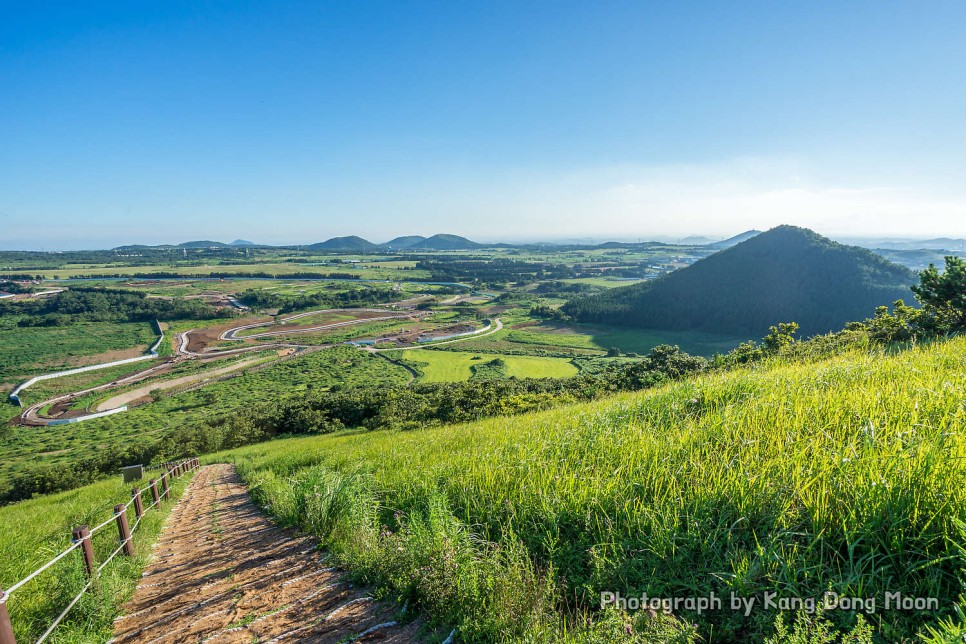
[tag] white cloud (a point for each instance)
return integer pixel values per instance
(718, 199)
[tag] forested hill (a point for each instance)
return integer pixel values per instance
(786, 274)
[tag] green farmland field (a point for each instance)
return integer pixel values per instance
(452, 366)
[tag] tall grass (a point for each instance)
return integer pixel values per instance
(846, 475)
(33, 532)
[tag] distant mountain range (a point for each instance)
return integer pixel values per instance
(356, 244)
(899, 250)
(734, 241)
(939, 243)
(786, 274)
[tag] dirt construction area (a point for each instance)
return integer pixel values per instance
(222, 572)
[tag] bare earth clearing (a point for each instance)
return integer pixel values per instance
(222, 572)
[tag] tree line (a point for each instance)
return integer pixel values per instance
(92, 304)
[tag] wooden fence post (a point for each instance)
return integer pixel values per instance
(154, 492)
(83, 534)
(120, 511)
(164, 486)
(138, 503)
(6, 628)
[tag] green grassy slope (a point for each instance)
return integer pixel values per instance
(34, 531)
(845, 475)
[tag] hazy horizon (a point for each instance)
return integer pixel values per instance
(859, 240)
(279, 122)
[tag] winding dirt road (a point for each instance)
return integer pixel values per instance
(222, 572)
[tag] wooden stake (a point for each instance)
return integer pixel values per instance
(6, 628)
(83, 534)
(155, 497)
(123, 531)
(138, 503)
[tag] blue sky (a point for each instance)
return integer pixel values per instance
(291, 122)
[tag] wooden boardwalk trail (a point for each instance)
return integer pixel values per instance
(222, 572)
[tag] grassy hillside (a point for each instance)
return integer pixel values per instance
(845, 475)
(34, 531)
(787, 274)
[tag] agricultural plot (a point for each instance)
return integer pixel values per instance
(29, 351)
(524, 335)
(641, 341)
(319, 319)
(455, 366)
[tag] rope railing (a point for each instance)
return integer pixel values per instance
(81, 539)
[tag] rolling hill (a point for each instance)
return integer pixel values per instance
(204, 243)
(786, 274)
(352, 244)
(737, 239)
(404, 242)
(445, 242)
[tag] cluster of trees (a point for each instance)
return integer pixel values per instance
(493, 271)
(786, 273)
(106, 305)
(567, 289)
(13, 287)
(942, 312)
(259, 299)
(129, 255)
(302, 275)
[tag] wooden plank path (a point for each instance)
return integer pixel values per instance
(222, 572)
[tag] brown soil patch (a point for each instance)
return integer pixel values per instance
(201, 338)
(222, 572)
(323, 320)
(107, 356)
(143, 400)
